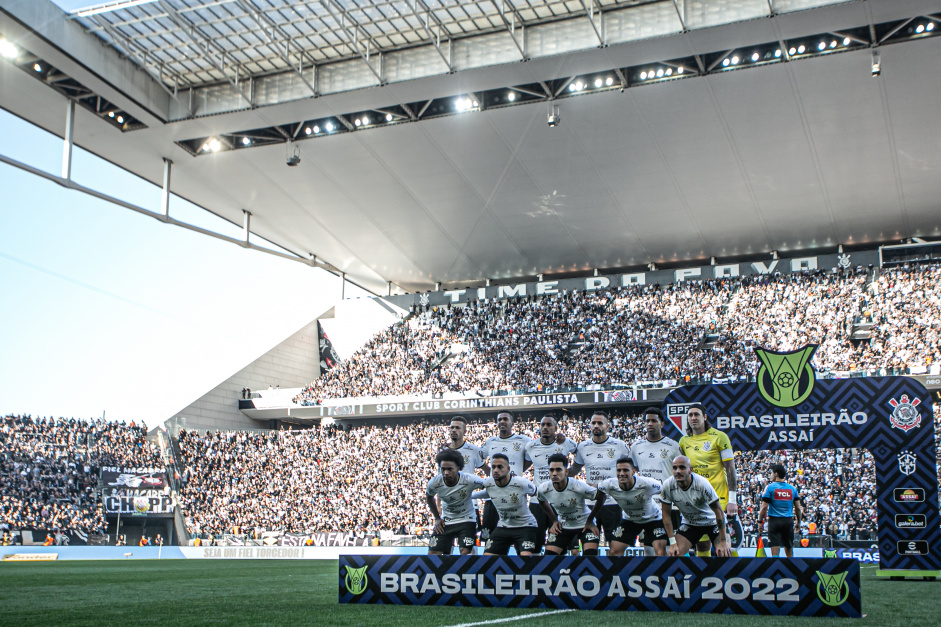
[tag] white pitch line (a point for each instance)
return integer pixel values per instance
(512, 618)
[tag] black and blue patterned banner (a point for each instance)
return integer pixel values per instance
(794, 587)
(890, 416)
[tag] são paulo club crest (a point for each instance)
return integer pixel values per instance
(905, 416)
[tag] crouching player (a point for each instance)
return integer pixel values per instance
(641, 512)
(457, 519)
(510, 494)
(699, 505)
(568, 497)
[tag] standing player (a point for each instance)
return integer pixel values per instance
(710, 453)
(653, 458)
(699, 504)
(472, 454)
(598, 456)
(781, 503)
(538, 453)
(457, 519)
(637, 497)
(513, 447)
(510, 494)
(567, 496)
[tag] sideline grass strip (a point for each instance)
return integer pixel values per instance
(197, 592)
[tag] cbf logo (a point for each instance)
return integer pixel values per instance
(832, 589)
(356, 580)
(908, 462)
(786, 379)
(904, 415)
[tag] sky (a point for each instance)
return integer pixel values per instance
(109, 312)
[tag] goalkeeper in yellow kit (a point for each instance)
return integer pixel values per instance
(710, 453)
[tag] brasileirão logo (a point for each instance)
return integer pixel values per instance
(832, 589)
(356, 580)
(786, 379)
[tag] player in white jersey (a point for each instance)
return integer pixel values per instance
(699, 504)
(513, 446)
(653, 455)
(640, 509)
(474, 456)
(510, 496)
(568, 497)
(598, 456)
(538, 452)
(457, 519)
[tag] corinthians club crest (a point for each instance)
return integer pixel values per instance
(786, 379)
(904, 415)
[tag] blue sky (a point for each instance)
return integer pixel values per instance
(107, 310)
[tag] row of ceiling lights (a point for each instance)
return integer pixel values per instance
(653, 73)
(42, 70)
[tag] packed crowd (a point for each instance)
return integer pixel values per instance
(49, 469)
(370, 479)
(639, 335)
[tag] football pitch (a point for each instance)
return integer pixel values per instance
(197, 592)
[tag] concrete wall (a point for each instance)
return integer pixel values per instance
(293, 363)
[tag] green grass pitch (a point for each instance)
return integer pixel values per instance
(196, 592)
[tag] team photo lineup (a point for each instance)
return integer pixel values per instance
(672, 496)
(468, 312)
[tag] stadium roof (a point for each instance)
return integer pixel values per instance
(456, 176)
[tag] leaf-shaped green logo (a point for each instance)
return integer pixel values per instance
(786, 379)
(356, 579)
(832, 589)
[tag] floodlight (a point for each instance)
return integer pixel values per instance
(8, 49)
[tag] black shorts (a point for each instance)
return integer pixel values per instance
(542, 524)
(781, 531)
(628, 531)
(491, 517)
(609, 519)
(694, 533)
(676, 519)
(520, 538)
(465, 533)
(569, 539)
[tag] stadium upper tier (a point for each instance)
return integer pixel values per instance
(650, 335)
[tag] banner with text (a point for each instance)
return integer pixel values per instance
(523, 402)
(135, 491)
(794, 587)
(829, 262)
(789, 408)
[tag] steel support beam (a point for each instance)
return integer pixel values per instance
(165, 194)
(590, 14)
(679, 13)
(246, 226)
(343, 286)
(68, 184)
(435, 38)
(511, 25)
(353, 40)
(140, 55)
(266, 24)
(210, 49)
(68, 140)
